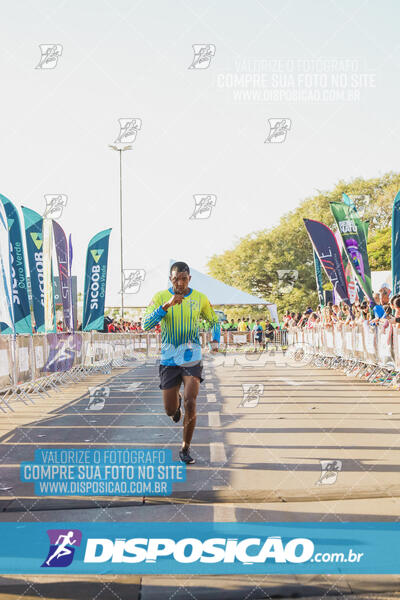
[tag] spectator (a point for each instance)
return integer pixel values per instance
(258, 333)
(225, 325)
(286, 320)
(107, 321)
(387, 319)
(356, 317)
(231, 325)
(384, 293)
(241, 325)
(111, 326)
(343, 312)
(269, 333)
(377, 309)
(365, 311)
(335, 313)
(396, 305)
(391, 303)
(313, 320)
(293, 320)
(326, 316)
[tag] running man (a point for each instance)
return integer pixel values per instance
(62, 549)
(180, 310)
(258, 333)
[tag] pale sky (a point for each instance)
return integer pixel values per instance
(199, 135)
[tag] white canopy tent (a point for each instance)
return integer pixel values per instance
(219, 293)
(379, 277)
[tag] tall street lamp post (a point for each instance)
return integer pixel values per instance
(121, 150)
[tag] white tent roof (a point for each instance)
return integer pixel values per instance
(218, 292)
(379, 277)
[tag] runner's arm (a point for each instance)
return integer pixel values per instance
(153, 313)
(209, 314)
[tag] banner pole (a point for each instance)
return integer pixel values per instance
(121, 237)
(13, 348)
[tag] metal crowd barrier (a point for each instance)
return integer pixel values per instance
(280, 337)
(31, 365)
(363, 350)
(238, 339)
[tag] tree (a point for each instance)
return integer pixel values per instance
(256, 263)
(380, 249)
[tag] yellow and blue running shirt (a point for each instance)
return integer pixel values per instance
(180, 341)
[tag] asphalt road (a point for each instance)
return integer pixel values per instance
(273, 442)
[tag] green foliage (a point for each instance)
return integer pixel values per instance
(245, 312)
(253, 264)
(380, 249)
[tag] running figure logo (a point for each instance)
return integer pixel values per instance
(55, 203)
(330, 470)
(203, 54)
(251, 394)
(50, 53)
(97, 397)
(203, 205)
(64, 348)
(61, 551)
(128, 129)
(278, 129)
(287, 279)
(132, 280)
(360, 203)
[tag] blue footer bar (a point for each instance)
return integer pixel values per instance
(200, 548)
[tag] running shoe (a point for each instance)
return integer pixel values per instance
(177, 416)
(185, 457)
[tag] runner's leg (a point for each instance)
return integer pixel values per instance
(191, 390)
(171, 400)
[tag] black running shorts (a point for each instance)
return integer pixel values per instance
(170, 376)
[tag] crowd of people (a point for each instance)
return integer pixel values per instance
(383, 310)
(119, 326)
(260, 328)
(242, 325)
(123, 326)
(239, 325)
